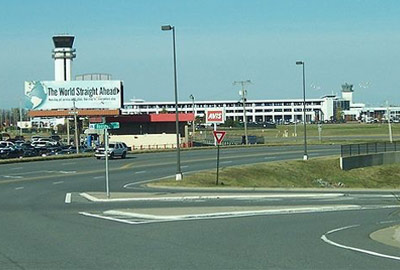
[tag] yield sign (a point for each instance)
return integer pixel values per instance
(219, 136)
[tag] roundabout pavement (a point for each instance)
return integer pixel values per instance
(47, 222)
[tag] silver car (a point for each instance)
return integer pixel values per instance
(115, 149)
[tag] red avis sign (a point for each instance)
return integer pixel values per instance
(215, 116)
(219, 136)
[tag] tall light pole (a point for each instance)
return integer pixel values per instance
(243, 94)
(305, 157)
(179, 175)
(194, 117)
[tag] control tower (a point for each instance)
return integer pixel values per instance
(63, 53)
(347, 92)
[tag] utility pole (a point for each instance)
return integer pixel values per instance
(243, 94)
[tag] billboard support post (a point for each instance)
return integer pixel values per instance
(68, 140)
(76, 128)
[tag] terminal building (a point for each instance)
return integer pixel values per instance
(329, 108)
(261, 110)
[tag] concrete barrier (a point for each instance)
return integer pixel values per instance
(348, 163)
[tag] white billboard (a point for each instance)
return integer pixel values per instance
(52, 95)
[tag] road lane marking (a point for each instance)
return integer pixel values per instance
(268, 158)
(67, 172)
(139, 172)
(110, 218)
(19, 188)
(16, 168)
(99, 177)
(68, 198)
(226, 162)
(13, 176)
(185, 166)
(387, 222)
(58, 182)
(365, 251)
(68, 163)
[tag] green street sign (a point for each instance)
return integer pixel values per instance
(112, 125)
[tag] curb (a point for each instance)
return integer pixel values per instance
(211, 197)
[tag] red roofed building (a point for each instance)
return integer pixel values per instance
(147, 123)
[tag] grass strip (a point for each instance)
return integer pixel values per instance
(314, 173)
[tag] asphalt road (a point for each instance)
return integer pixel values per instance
(40, 231)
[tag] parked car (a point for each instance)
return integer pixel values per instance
(46, 149)
(50, 141)
(28, 150)
(45, 142)
(7, 143)
(19, 142)
(4, 149)
(10, 151)
(55, 138)
(70, 149)
(20, 137)
(36, 137)
(115, 149)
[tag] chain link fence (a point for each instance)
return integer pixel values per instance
(349, 150)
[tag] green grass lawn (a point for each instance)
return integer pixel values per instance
(314, 173)
(347, 129)
(331, 134)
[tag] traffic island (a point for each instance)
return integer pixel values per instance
(137, 216)
(173, 196)
(388, 236)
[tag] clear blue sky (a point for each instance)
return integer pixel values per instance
(218, 42)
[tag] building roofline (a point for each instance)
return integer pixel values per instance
(142, 102)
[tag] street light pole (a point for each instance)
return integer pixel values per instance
(194, 117)
(305, 157)
(244, 93)
(179, 175)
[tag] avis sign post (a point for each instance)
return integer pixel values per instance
(215, 116)
(219, 136)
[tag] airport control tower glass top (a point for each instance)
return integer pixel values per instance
(63, 41)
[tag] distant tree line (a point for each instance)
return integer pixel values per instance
(10, 117)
